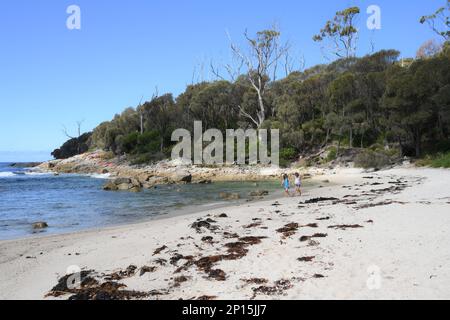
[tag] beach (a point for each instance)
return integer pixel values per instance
(358, 235)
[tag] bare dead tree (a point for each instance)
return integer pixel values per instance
(293, 63)
(260, 65)
(66, 133)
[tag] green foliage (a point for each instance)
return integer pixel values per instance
(288, 153)
(332, 154)
(439, 21)
(440, 160)
(341, 32)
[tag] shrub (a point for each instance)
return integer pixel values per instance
(441, 161)
(286, 156)
(332, 154)
(371, 159)
(146, 158)
(288, 153)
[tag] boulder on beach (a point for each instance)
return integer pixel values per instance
(40, 225)
(135, 189)
(124, 186)
(205, 181)
(259, 193)
(144, 177)
(229, 196)
(110, 186)
(182, 177)
(119, 181)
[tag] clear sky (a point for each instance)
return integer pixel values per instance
(51, 76)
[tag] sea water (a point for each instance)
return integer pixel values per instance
(75, 202)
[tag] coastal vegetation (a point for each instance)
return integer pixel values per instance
(381, 105)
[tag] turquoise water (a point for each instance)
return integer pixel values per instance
(73, 202)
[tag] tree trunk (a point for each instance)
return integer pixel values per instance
(339, 147)
(362, 140)
(351, 137)
(417, 142)
(418, 151)
(261, 112)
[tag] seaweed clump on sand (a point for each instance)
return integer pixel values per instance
(235, 250)
(316, 235)
(278, 288)
(346, 226)
(306, 259)
(91, 289)
(288, 230)
(119, 275)
(199, 225)
(318, 200)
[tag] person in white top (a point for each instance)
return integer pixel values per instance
(298, 184)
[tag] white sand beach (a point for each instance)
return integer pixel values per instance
(385, 235)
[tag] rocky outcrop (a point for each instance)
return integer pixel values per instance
(181, 177)
(136, 178)
(123, 184)
(25, 164)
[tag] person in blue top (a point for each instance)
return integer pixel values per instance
(286, 184)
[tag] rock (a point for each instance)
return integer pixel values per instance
(206, 181)
(182, 176)
(40, 225)
(135, 182)
(124, 186)
(144, 177)
(25, 164)
(259, 193)
(120, 181)
(110, 186)
(135, 189)
(229, 196)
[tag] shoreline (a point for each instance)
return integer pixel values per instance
(374, 220)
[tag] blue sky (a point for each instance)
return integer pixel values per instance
(51, 76)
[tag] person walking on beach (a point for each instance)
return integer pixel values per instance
(298, 184)
(286, 184)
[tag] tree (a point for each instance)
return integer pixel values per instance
(341, 33)
(342, 92)
(261, 65)
(158, 115)
(439, 21)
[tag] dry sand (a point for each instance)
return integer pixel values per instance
(390, 239)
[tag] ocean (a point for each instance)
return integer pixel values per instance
(71, 202)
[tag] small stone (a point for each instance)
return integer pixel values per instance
(40, 225)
